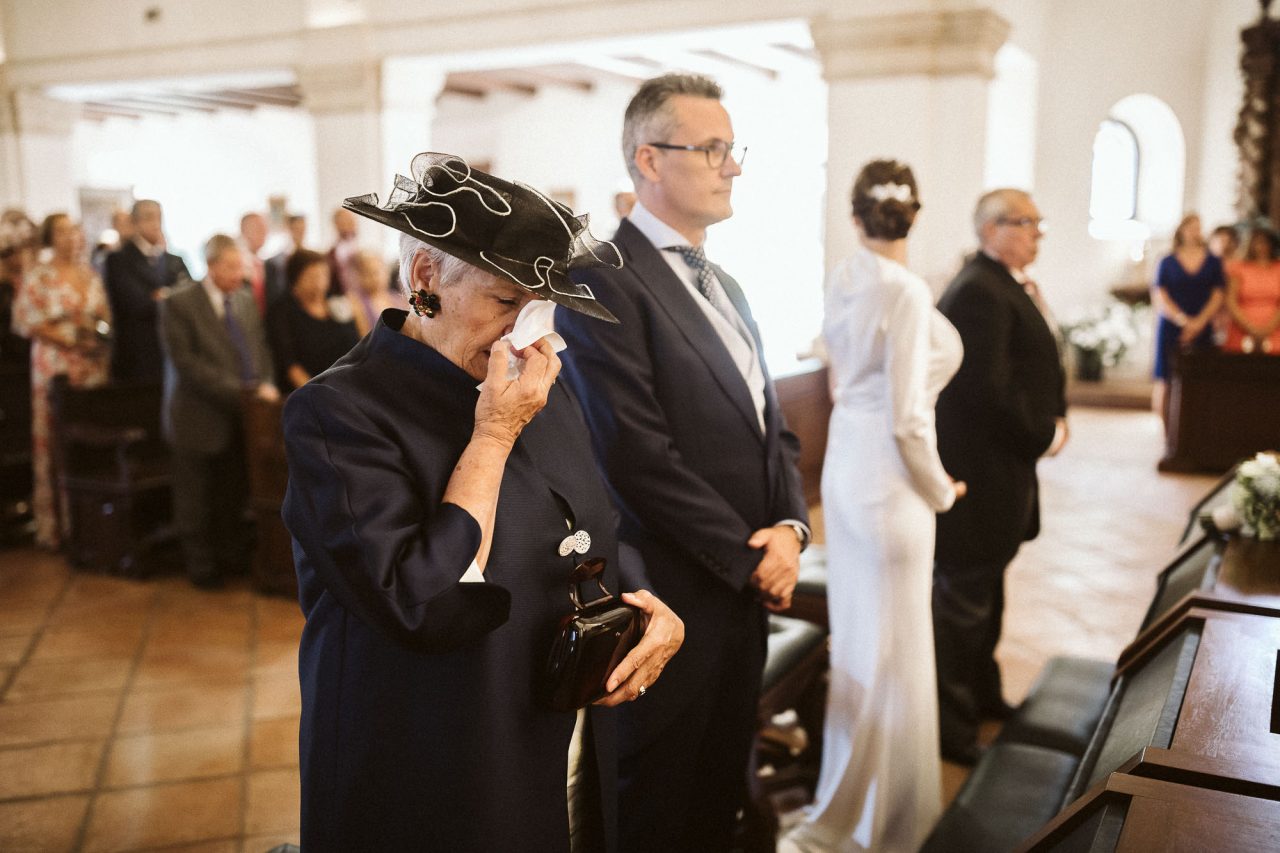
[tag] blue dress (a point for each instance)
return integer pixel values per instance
(1190, 293)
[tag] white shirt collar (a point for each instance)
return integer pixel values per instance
(657, 232)
(1020, 276)
(151, 250)
(215, 295)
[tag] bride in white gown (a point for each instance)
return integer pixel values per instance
(890, 354)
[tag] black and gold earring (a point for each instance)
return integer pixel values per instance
(425, 304)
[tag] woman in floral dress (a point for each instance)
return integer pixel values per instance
(63, 309)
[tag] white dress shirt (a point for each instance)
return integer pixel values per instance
(732, 331)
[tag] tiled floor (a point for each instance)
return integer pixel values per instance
(152, 716)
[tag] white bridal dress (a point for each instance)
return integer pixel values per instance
(891, 353)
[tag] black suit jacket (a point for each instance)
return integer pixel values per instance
(997, 416)
(131, 280)
(676, 433)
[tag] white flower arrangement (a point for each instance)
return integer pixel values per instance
(1109, 331)
(1255, 500)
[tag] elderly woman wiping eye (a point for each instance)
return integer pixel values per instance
(428, 514)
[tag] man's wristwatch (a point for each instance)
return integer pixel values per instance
(802, 533)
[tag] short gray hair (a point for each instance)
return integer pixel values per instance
(217, 245)
(995, 204)
(448, 268)
(649, 117)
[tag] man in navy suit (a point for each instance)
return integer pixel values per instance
(138, 276)
(1004, 410)
(686, 427)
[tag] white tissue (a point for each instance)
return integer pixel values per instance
(536, 320)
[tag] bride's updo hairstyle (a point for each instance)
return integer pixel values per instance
(885, 199)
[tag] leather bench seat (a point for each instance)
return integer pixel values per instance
(791, 643)
(1064, 707)
(1015, 789)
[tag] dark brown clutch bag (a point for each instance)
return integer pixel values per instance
(589, 643)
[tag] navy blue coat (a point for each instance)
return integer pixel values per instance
(420, 726)
(693, 475)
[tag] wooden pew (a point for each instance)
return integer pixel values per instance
(1222, 408)
(113, 464)
(273, 571)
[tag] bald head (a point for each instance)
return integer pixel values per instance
(253, 230)
(344, 222)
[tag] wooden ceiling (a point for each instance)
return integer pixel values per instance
(582, 75)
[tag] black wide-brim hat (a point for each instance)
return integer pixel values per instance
(505, 228)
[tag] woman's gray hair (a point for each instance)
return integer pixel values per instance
(649, 117)
(448, 268)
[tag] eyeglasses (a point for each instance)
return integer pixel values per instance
(717, 152)
(1022, 222)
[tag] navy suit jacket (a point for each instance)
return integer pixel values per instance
(997, 416)
(676, 434)
(131, 279)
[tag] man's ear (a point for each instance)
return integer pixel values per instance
(647, 163)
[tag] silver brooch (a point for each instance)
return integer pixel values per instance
(578, 543)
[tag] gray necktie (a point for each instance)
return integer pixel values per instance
(708, 285)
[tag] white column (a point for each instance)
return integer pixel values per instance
(35, 153)
(911, 87)
(345, 101)
(410, 86)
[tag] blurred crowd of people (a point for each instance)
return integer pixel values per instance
(112, 313)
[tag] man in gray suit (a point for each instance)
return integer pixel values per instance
(214, 349)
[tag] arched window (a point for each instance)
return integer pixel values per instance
(1114, 196)
(1139, 168)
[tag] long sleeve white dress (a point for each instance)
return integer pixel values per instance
(891, 353)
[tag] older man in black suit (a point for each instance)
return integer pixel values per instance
(1004, 410)
(686, 426)
(214, 349)
(138, 276)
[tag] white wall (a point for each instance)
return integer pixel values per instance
(205, 170)
(562, 139)
(1099, 52)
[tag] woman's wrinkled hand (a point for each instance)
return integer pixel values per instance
(507, 405)
(663, 635)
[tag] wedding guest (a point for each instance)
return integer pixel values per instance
(63, 310)
(371, 296)
(890, 353)
(1253, 297)
(1187, 295)
(345, 244)
(1004, 410)
(138, 277)
(1224, 242)
(18, 238)
(277, 281)
(305, 334)
(253, 236)
(430, 496)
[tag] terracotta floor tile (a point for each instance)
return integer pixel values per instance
(274, 743)
(279, 621)
(60, 678)
(226, 634)
(68, 718)
(23, 621)
(113, 641)
(60, 768)
(41, 826)
(274, 798)
(175, 756)
(276, 659)
(277, 696)
(263, 843)
(229, 845)
(13, 648)
(171, 666)
(185, 707)
(181, 813)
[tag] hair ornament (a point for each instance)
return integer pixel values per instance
(889, 190)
